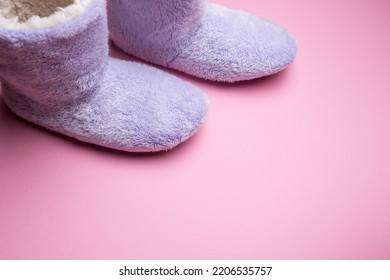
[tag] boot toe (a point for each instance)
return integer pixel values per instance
(147, 110)
(230, 45)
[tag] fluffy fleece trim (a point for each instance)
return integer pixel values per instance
(61, 15)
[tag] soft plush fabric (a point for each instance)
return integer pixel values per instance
(200, 38)
(62, 78)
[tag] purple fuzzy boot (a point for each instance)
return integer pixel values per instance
(200, 38)
(55, 72)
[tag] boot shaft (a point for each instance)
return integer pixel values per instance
(163, 24)
(57, 64)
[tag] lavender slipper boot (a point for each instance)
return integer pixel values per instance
(55, 72)
(200, 38)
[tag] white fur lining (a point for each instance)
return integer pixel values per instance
(61, 15)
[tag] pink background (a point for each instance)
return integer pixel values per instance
(294, 166)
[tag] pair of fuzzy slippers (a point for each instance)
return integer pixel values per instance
(55, 70)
